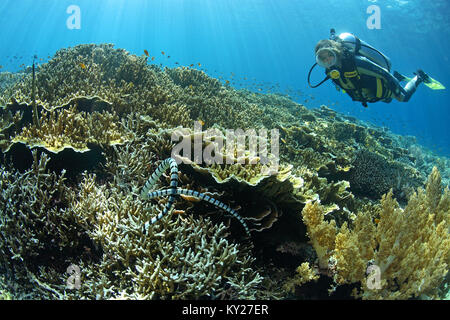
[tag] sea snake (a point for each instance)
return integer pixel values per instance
(174, 190)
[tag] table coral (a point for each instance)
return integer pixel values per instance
(67, 128)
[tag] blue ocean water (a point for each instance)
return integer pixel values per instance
(266, 45)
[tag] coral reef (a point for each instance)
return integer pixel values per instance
(71, 183)
(304, 275)
(67, 128)
(409, 247)
(179, 258)
(36, 229)
(101, 230)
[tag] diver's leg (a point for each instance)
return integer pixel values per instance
(403, 94)
(398, 92)
(411, 87)
(398, 76)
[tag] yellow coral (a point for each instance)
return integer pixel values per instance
(353, 249)
(410, 247)
(304, 274)
(322, 233)
(67, 128)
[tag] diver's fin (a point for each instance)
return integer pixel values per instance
(427, 80)
(434, 84)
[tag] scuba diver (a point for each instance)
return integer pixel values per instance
(363, 72)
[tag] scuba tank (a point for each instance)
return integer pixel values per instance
(359, 47)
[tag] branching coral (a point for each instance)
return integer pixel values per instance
(322, 233)
(124, 107)
(36, 230)
(410, 246)
(179, 258)
(44, 225)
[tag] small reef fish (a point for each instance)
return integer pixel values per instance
(162, 52)
(199, 64)
(191, 65)
(146, 52)
(82, 65)
(153, 58)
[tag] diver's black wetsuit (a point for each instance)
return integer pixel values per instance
(371, 82)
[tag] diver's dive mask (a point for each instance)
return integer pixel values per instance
(326, 58)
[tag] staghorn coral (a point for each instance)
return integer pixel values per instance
(410, 246)
(63, 79)
(179, 258)
(125, 82)
(183, 258)
(196, 80)
(7, 79)
(37, 231)
(8, 123)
